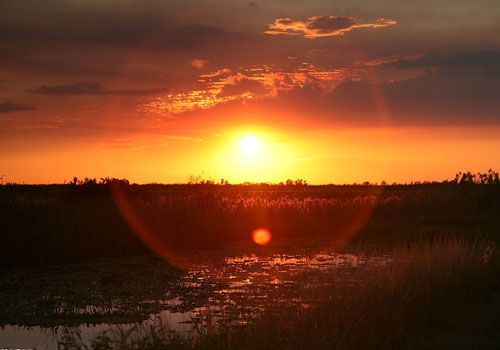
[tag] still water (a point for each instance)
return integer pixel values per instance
(137, 294)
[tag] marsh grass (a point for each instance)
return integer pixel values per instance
(59, 224)
(377, 309)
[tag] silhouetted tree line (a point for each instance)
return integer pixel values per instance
(192, 180)
(93, 181)
(489, 178)
(298, 182)
(467, 177)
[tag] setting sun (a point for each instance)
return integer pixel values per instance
(250, 146)
(253, 153)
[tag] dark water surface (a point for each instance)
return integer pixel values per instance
(39, 305)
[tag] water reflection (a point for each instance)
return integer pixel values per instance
(236, 285)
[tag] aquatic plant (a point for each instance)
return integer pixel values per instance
(378, 309)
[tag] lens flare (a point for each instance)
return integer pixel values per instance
(261, 236)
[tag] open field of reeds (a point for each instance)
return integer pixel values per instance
(72, 223)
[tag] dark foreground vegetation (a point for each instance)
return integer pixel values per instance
(83, 222)
(438, 288)
(440, 294)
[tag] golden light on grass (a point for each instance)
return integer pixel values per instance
(261, 236)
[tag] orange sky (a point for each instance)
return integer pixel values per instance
(333, 93)
(319, 155)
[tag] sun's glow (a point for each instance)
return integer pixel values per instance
(253, 154)
(250, 146)
(261, 236)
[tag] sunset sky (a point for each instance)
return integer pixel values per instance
(328, 91)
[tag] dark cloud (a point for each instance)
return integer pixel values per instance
(193, 36)
(56, 66)
(8, 106)
(322, 26)
(63, 21)
(330, 24)
(93, 88)
(471, 58)
(449, 88)
(435, 98)
(243, 86)
(135, 30)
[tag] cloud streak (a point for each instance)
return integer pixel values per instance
(454, 59)
(225, 86)
(8, 106)
(322, 26)
(93, 88)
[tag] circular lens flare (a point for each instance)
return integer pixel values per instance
(261, 236)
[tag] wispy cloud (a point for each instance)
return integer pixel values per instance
(323, 26)
(225, 86)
